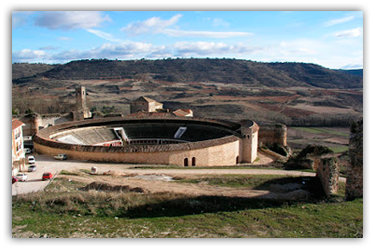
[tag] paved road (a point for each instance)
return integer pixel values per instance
(46, 163)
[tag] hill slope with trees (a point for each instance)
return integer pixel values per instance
(193, 70)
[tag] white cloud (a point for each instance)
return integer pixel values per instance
(303, 50)
(188, 49)
(212, 34)
(126, 50)
(338, 21)
(156, 25)
(28, 55)
(357, 32)
(134, 50)
(70, 19)
(153, 25)
(103, 35)
(328, 53)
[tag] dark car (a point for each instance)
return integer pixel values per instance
(14, 180)
(46, 176)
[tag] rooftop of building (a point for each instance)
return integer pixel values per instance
(16, 123)
(144, 99)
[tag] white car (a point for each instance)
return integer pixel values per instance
(32, 168)
(31, 159)
(22, 177)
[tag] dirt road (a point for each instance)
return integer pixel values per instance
(48, 164)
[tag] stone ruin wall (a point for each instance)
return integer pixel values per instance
(328, 172)
(328, 168)
(32, 123)
(271, 134)
(354, 179)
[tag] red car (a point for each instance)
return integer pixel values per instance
(46, 176)
(14, 179)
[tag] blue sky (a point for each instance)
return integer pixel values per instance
(333, 39)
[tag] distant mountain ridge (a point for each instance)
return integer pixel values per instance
(357, 72)
(195, 70)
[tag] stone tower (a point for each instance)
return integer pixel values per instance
(81, 110)
(249, 133)
(32, 123)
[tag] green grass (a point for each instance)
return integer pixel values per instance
(318, 130)
(64, 211)
(250, 181)
(339, 149)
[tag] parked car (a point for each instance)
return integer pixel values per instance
(46, 176)
(14, 180)
(60, 157)
(22, 177)
(32, 168)
(27, 151)
(31, 159)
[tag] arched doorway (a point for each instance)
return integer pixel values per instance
(193, 161)
(186, 162)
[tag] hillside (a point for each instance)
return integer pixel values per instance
(290, 93)
(357, 72)
(21, 70)
(254, 74)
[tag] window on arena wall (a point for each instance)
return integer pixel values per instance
(193, 161)
(186, 162)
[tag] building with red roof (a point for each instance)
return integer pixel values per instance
(18, 154)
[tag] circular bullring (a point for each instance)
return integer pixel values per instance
(149, 140)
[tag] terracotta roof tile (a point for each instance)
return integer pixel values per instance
(16, 123)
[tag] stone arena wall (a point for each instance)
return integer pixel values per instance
(219, 155)
(216, 152)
